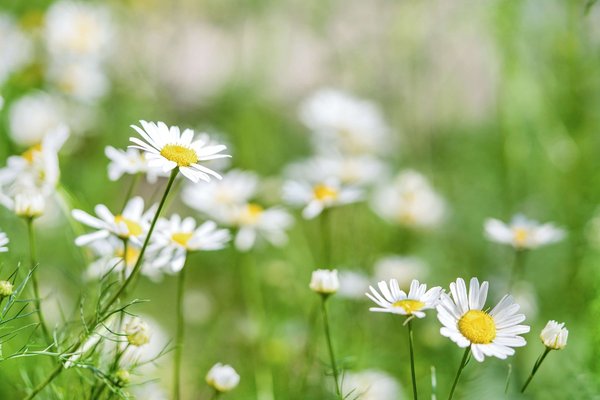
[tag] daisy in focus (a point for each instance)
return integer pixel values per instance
(488, 334)
(174, 238)
(523, 233)
(132, 224)
(391, 299)
(168, 148)
(320, 195)
(3, 242)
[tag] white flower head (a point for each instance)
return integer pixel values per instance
(315, 197)
(169, 148)
(84, 81)
(29, 204)
(466, 323)
(222, 378)
(324, 281)
(353, 284)
(554, 335)
(131, 162)
(371, 385)
(132, 224)
(3, 242)
(137, 332)
(396, 301)
(256, 222)
(174, 238)
(49, 114)
(522, 233)
(409, 200)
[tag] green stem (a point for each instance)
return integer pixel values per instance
(536, 366)
(134, 182)
(412, 359)
(518, 267)
(330, 347)
(326, 236)
(215, 395)
(97, 318)
(463, 362)
(34, 281)
(179, 335)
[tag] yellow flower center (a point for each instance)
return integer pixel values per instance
(477, 326)
(133, 227)
(183, 156)
(182, 238)
(324, 192)
(131, 256)
(409, 305)
(31, 152)
(251, 214)
(520, 236)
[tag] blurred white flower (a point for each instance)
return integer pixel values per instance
(83, 81)
(352, 284)
(174, 238)
(222, 378)
(396, 301)
(3, 242)
(130, 225)
(403, 269)
(149, 391)
(137, 332)
(371, 384)
(324, 281)
(409, 200)
(131, 162)
(169, 148)
(466, 323)
(254, 221)
(554, 335)
(49, 116)
(353, 126)
(522, 233)
(525, 296)
(319, 196)
(15, 47)
(29, 203)
(80, 30)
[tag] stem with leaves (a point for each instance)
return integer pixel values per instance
(536, 366)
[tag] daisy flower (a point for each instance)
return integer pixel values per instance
(130, 162)
(174, 238)
(3, 242)
(522, 233)
(396, 301)
(132, 224)
(554, 335)
(168, 148)
(222, 378)
(324, 281)
(50, 114)
(254, 221)
(494, 333)
(319, 196)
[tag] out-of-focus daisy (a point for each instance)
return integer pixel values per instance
(130, 162)
(554, 335)
(131, 224)
(15, 47)
(324, 281)
(319, 196)
(83, 81)
(168, 148)
(523, 233)
(396, 301)
(409, 200)
(49, 114)
(493, 333)
(78, 30)
(3, 242)
(371, 385)
(254, 221)
(29, 204)
(401, 268)
(351, 125)
(353, 284)
(222, 378)
(174, 238)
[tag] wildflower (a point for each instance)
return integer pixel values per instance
(29, 204)
(371, 385)
(522, 233)
(6, 289)
(131, 162)
(315, 197)
(324, 281)
(222, 378)
(49, 115)
(554, 335)
(137, 332)
(409, 200)
(175, 238)
(3, 242)
(493, 333)
(131, 224)
(396, 301)
(84, 81)
(168, 148)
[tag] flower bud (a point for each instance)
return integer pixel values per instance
(122, 377)
(324, 281)
(222, 378)
(6, 288)
(29, 204)
(554, 335)
(137, 332)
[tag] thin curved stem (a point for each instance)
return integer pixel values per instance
(330, 347)
(412, 359)
(536, 366)
(463, 362)
(326, 236)
(34, 281)
(179, 335)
